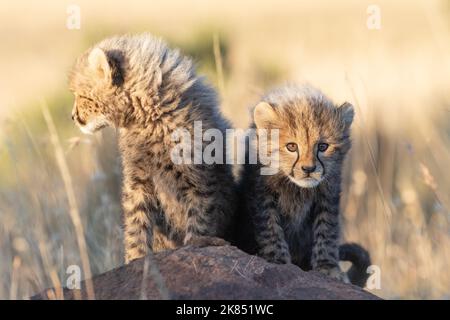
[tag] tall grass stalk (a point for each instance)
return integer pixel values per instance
(73, 206)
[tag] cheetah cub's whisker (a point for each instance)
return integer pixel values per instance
(293, 215)
(146, 90)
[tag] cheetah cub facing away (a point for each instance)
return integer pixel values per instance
(293, 215)
(147, 91)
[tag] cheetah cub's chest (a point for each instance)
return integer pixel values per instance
(296, 216)
(295, 209)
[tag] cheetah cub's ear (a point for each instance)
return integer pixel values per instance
(264, 115)
(347, 113)
(98, 63)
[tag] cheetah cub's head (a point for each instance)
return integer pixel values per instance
(96, 81)
(314, 134)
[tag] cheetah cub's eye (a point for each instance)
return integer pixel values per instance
(291, 146)
(322, 147)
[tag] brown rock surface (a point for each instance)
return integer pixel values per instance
(213, 273)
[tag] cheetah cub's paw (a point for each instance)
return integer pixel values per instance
(281, 259)
(206, 241)
(278, 257)
(335, 273)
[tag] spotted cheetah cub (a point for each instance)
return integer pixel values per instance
(293, 215)
(147, 91)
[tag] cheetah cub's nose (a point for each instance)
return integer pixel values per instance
(309, 169)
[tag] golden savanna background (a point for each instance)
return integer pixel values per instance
(396, 189)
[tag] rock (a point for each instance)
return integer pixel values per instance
(213, 273)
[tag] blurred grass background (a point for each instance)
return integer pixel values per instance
(396, 187)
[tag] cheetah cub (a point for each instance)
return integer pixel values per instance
(293, 215)
(147, 91)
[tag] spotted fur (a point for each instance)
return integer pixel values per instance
(293, 215)
(147, 90)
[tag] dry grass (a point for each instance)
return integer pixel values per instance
(395, 196)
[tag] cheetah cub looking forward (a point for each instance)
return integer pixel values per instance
(146, 90)
(293, 215)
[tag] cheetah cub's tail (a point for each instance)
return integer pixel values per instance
(360, 259)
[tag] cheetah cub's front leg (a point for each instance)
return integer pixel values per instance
(139, 212)
(325, 251)
(269, 234)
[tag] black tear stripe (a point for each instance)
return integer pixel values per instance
(81, 121)
(293, 166)
(321, 163)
